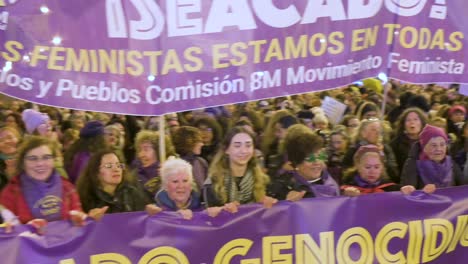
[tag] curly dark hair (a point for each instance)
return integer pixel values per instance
(185, 138)
(300, 144)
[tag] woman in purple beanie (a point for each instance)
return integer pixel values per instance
(428, 162)
(37, 123)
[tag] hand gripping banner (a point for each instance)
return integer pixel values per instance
(375, 228)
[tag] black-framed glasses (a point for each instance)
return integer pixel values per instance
(34, 158)
(113, 165)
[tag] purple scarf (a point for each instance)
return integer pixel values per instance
(44, 199)
(329, 188)
(147, 173)
(440, 174)
(362, 183)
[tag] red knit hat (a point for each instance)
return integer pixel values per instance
(454, 108)
(429, 132)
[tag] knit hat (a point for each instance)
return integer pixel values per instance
(429, 132)
(366, 149)
(32, 119)
(454, 108)
(92, 129)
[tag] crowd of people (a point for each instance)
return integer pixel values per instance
(59, 164)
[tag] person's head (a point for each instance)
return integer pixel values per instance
(370, 130)
(36, 157)
(339, 140)
(411, 122)
(92, 129)
(105, 170)
(36, 122)
(283, 124)
(70, 136)
(457, 113)
(368, 110)
(147, 147)
(14, 120)
(177, 180)
(210, 129)
(320, 122)
(306, 117)
(239, 146)
(111, 135)
(368, 160)
(187, 140)
(434, 142)
(77, 120)
(306, 154)
(9, 138)
(351, 122)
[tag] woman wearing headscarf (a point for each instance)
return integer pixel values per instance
(428, 162)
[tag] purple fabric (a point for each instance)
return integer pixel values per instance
(364, 184)
(155, 239)
(80, 160)
(440, 174)
(329, 188)
(199, 169)
(44, 199)
(146, 173)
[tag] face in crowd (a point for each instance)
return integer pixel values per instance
(413, 124)
(240, 149)
(110, 171)
(146, 154)
(179, 187)
(312, 166)
(370, 167)
(39, 163)
(436, 149)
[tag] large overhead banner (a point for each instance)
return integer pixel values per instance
(152, 57)
(376, 228)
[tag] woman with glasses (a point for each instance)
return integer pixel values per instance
(38, 191)
(309, 178)
(105, 183)
(428, 162)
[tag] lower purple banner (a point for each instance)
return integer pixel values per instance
(380, 228)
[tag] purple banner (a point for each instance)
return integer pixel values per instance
(151, 57)
(377, 228)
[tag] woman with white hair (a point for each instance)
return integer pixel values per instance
(176, 193)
